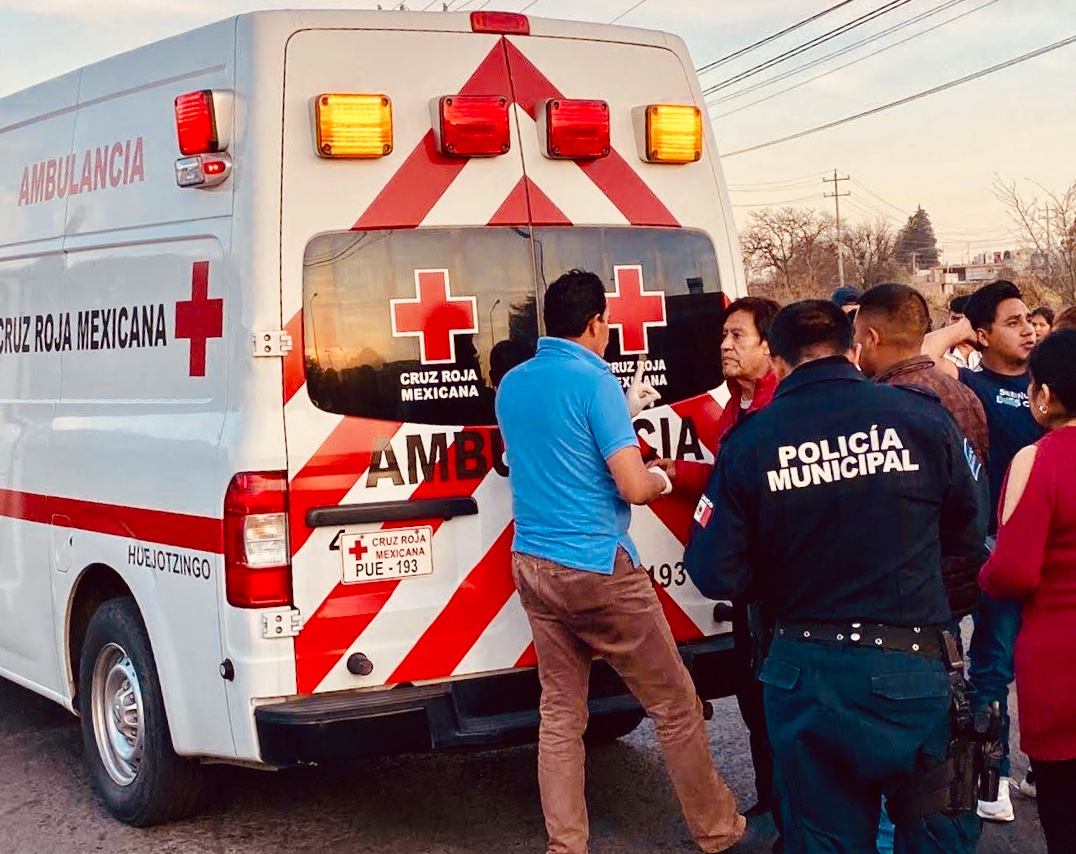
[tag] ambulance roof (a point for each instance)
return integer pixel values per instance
(278, 25)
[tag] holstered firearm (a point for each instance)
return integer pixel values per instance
(964, 747)
(761, 630)
(992, 750)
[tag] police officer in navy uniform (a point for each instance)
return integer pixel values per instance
(833, 506)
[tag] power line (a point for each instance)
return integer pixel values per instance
(940, 228)
(812, 177)
(525, 8)
(841, 52)
(736, 54)
(870, 192)
(784, 202)
(628, 11)
(775, 186)
(852, 62)
(825, 37)
(934, 91)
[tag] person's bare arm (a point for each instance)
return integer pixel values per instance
(941, 341)
(634, 481)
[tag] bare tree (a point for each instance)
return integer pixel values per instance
(769, 242)
(872, 247)
(1047, 225)
(790, 253)
(814, 246)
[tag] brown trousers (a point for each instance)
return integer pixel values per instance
(574, 614)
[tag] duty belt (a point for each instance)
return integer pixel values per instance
(919, 640)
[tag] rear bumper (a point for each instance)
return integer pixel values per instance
(480, 712)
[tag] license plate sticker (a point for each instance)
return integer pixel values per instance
(387, 555)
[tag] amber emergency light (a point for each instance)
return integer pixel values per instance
(358, 126)
(673, 133)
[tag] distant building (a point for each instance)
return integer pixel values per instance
(946, 279)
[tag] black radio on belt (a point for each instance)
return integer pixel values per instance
(964, 755)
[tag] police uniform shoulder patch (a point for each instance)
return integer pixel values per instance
(973, 461)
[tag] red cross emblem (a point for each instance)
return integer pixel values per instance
(357, 550)
(199, 318)
(633, 310)
(435, 317)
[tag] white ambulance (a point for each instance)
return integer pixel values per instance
(258, 284)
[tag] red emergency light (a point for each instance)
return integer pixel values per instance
(257, 565)
(502, 23)
(196, 123)
(474, 126)
(577, 130)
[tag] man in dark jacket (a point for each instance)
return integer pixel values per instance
(889, 331)
(836, 503)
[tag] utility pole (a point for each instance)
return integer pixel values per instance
(836, 196)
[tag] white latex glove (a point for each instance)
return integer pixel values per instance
(664, 476)
(640, 393)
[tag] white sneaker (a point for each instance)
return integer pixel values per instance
(1001, 809)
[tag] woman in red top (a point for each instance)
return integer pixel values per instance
(1035, 561)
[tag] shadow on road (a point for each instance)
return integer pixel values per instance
(432, 804)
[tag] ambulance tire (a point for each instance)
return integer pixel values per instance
(159, 786)
(606, 729)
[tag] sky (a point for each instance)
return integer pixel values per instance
(942, 152)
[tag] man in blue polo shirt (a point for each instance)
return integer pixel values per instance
(575, 469)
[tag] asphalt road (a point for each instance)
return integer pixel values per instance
(478, 803)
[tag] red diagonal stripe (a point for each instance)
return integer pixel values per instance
(705, 414)
(334, 470)
(543, 210)
(419, 183)
(528, 205)
(294, 361)
(348, 609)
(612, 175)
(683, 627)
(625, 189)
(677, 510)
(466, 616)
(529, 657)
(514, 209)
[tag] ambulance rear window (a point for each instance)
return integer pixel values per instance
(417, 325)
(681, 338)
(420, 325)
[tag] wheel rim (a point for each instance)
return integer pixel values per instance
(118, 716)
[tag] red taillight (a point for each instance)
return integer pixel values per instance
(577, 130)
(257, 565)
(474, 126)
(196, 123)
(503, 23)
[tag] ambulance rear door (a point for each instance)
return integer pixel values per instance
(660, 235)
(408, 280)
